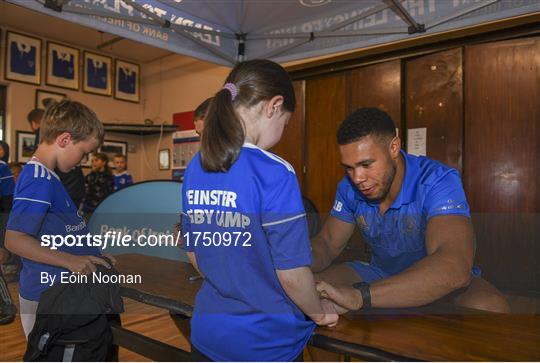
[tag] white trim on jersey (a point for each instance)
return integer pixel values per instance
(122, 173)
(45, 172)
(284, 220)
(271, 156)
(6, 177)
(33, 200)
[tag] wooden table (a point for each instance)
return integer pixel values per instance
(440, 333)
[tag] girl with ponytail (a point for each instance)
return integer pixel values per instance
(244, 227)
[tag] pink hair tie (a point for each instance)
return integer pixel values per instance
(232, 89)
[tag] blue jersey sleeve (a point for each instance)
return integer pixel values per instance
(129, 179)
(31, 202)
(6, 181)
(446, 197)
(284, 222)
(342, 208)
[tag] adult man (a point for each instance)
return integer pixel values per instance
(200, 113)
(413, 213)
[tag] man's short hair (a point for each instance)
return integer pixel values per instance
(201, 110)
(35, 115)
(73, 117)
(120, 156)
(363, 122)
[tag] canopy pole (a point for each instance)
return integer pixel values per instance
(183, 33)
(55, 5)
(414, 27)
(455, 15)
(241, 55)
(312, 35)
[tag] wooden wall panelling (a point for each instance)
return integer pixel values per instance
(502, 158)
(291, 145)
(434, 100)
(377, 85)
(325, 109)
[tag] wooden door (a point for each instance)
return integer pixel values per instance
(291, 145)
(325, 109)
(377, 85)
(434, 100)
(502, 158)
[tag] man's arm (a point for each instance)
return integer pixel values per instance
(329, 242)
(447, 267)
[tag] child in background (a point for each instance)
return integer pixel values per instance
(121, 177)
(41, 205)
(99, 183)
(258, 301)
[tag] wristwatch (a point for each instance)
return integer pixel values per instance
(363, 287)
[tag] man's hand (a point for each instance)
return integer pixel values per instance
(330, 316)
(84, 265)
(110, 258)
(346, 297)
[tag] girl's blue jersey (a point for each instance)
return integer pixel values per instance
(243, 225)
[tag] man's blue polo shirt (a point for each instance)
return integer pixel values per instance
(397, 238)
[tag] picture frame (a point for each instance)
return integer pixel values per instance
(113, 147)
(126, 81)
(97, 74)
(164, 159)
(62, 66)
(22, 61)
(25, 146)
(42, 94)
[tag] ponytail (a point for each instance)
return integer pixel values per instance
(223, 134)
(249, 83)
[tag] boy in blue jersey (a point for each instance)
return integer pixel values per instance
(412, 212)
(245, 230)
(121, 177)
(41, 206)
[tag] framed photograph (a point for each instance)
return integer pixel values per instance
(62, 66)
(164, 159)
(23, 58)
(97, 74)
(25, 146)
(43, 95)
(112, 148)
(126, 81)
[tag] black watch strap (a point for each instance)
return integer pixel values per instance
(364, 289)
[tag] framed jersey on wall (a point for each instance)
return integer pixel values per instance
(62, 66)
(126, 81)
(97, 74)
(23, 58)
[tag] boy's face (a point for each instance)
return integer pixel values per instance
(72, 153)
(120, 164)
(98, 164)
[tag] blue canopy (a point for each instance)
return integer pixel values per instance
(227, 31)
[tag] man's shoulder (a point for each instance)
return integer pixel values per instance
(428, 172)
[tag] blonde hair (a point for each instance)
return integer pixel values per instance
(73, 117)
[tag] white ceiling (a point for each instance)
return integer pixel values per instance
(41, 25)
